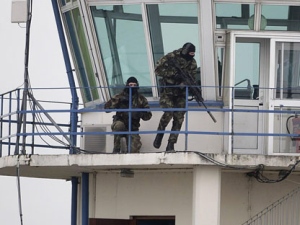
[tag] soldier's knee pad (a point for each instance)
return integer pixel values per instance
(118, 126)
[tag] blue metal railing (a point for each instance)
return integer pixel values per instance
(39, 131)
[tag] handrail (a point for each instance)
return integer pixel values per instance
(10, 110)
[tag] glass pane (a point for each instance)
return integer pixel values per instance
(63, 2)
(286, 124)
(168, 21)
(282, 17)
(79, 65)
(220, 63)
(234, 16)
(246, 69)
(123, 47)
(288, 70)
(85, 54)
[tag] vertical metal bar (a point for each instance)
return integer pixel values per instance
(33, 128)
(232, 119)
(280, 129)
(9, 122)
(74, 193)
(75, 100)
(1, 125)
(129, 121)
(186, 118)
(85, 198)
(74, 113)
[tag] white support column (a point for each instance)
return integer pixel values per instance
(206, 195)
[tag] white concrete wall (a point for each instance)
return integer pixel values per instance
(197, 121)
(150, 193)
(170, 193)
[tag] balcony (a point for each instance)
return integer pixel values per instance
(237, 129)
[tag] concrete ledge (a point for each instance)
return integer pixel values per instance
(67, 166)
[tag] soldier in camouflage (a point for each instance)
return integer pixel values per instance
(174, 97)
(121, 119)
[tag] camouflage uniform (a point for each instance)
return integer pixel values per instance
(121, 119)
(173, 97)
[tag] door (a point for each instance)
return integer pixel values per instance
(250, 71)
(135, 220)
(284, 95)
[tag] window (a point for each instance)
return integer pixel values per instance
(288, 70)
(168, 21)
(121, 38)
(282, 17)
(234, 16)
(83, 64)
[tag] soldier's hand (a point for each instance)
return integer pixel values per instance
(136, 115)
(178, 77)
(123, 99)
(200, 99)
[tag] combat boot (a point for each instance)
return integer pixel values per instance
(170, 147)
(158, 140)
(116, 150)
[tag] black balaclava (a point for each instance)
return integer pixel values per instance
(186, 49)
(134, 90)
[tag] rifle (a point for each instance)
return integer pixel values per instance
(190, 82)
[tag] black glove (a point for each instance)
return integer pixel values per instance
(178, 77)
(136, 115)
(123, 99)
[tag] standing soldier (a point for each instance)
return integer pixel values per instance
(121, 119)
(174, 97)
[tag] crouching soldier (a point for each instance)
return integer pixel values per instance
(121, 119)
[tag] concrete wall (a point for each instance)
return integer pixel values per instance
(197, 121)
(170, 193)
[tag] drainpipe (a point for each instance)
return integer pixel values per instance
(74, 106)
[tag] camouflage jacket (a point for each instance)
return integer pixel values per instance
(166, 70)
(121, 101)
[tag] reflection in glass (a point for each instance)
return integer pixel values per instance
(233, 16)
(288, 70)
(282, 17)
(247, 69)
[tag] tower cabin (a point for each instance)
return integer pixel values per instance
(239, 169)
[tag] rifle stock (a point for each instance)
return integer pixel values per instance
(195, 90)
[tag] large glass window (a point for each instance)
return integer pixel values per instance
(234, 16)
(281, 17)
(172, 25)
(288, 70)
(121, 38)
(246, 69)
(83, 64)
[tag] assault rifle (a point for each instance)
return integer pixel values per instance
(190, 82)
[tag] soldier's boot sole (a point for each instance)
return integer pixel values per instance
(170, 147)
(158, 140)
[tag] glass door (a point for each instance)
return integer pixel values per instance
(250, 76)
(284, 96)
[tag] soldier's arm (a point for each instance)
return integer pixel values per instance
(113, 103)
(145, 115)
(193, 69)
(164, 68)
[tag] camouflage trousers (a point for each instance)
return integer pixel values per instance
(136, 143)
(170, 101)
